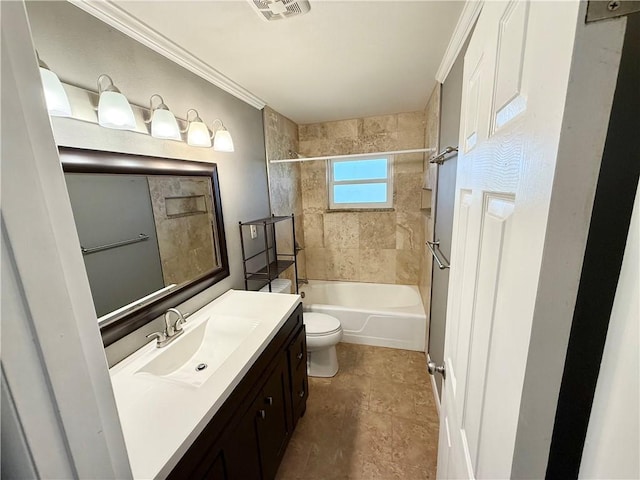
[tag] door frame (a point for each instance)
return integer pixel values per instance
(558, 450)
(608, 230)
(54, 369)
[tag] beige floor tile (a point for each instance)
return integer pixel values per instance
(393, 398)
(414, 443)
(332, 460)
(376, 419)
(374, 468)
(295, 459)
(368, 433)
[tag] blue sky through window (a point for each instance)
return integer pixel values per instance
(361, 183)
(375, 169)
(360, 193)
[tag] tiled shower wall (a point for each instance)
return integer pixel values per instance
(185, 239)
(369, 246)
(281, 138)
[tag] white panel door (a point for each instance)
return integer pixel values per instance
(509, 134)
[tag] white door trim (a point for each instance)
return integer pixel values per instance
(50, 299)
(466, 21)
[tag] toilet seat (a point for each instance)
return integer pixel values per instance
(320, 324)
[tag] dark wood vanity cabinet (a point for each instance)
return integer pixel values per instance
(297, 356)
(247, 437)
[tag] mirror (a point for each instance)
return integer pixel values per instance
(150, 231)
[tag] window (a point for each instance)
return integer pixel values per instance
(361, 183)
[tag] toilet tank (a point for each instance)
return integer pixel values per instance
(279, 285)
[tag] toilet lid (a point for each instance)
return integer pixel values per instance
(320, 323)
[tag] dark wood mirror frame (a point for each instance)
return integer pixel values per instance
(75, 160)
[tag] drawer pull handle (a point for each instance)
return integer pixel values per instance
(299, 356)
(262, 414)
(268, 401)
(301, 394)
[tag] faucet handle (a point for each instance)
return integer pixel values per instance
(160, 337)
(179, 323)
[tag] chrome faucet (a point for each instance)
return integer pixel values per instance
(172, 330)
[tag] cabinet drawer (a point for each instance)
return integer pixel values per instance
(298, 351)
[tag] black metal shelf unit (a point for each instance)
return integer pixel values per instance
(271, 263)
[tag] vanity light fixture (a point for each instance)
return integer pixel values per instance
(222, 141)
(114, 110)
(54, 94)
(163, 123)
(197, 132)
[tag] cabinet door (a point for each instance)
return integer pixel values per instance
(297, 352)
(241, 451)
(273, 418)
(216, 472)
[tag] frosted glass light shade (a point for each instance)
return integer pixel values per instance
(54, 94)
(164, 125)
(114, 111)
(222, 141)
(198, 135)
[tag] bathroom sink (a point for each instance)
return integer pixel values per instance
(200, 350)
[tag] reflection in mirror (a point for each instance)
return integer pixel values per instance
(150, 231)
(142, 233)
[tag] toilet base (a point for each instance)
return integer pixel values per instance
(323, 362)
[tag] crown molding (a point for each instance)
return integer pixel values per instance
(466, 21)
(116, 17)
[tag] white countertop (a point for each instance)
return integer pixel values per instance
(161, 419)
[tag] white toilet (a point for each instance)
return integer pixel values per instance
(323, 334)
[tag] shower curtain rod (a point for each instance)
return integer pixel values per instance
(353, 155)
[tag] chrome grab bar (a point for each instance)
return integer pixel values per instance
(437, 255)
(439, 158)
(140, 238)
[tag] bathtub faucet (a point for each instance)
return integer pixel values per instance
(302, 281)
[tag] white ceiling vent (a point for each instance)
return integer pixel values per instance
(279, 9)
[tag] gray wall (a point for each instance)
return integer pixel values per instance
(449, 132)
(79, 48)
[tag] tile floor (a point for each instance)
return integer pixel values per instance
(375, 420)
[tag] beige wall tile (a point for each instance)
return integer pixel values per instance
(379, 142)
(432, 123)
(314, 187)
(316, 263)
(407, 188)
(380, 124)
(341, 230)
(408, 163)
(312, 131)
(302, 264)
(313, 148)
(374, 236)
(342, 129)
(407, 266)
(410, 139)
(377, 229)
(342, 263)
(409, 231)
(377, 266)
(314, 230)
(412, 120)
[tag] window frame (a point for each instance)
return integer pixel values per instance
(366, 205)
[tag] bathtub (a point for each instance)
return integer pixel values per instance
(371, 313)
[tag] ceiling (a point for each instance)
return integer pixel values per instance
(343, 59)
